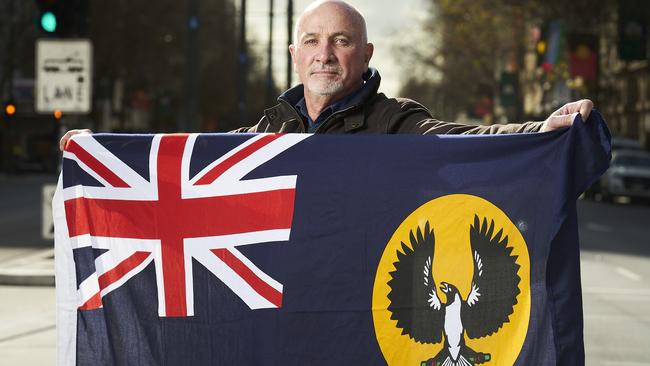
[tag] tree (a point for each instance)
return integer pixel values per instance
(142, 43)
(467, 44)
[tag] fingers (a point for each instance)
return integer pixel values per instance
(555, 122)
(585, 108)
(564, 116)
(68, 135)
(564, 110)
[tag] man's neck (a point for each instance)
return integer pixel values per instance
(316, 104)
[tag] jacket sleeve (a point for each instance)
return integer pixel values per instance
(252, 129)
(412, 117)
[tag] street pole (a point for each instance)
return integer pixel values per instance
(191, 123)
(289, 36)
(10, 55)
(243, 65)
(269, 70)
(8, 76)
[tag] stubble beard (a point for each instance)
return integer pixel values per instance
(325, 86)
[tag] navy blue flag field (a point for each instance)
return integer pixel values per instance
(297, 249)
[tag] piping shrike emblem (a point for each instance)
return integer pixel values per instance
(454, 286)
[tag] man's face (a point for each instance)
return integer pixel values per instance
(330, 55)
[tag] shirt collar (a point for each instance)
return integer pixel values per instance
(339, 105)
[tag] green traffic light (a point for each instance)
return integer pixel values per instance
(48, 21)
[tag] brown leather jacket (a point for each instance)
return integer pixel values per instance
(373, 113)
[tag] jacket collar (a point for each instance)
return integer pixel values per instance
(285, 112)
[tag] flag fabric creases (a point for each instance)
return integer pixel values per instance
(292, 249)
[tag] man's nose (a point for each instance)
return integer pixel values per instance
(325, 53)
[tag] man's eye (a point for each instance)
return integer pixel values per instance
(342, 41)
(310, 42)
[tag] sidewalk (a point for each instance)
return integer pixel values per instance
(27, 307)
(27, 266)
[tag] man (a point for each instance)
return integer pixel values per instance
(339, 94)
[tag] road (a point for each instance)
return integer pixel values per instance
(20, 210)
(27, 325)
(615, 264)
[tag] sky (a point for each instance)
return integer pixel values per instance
(389, 22)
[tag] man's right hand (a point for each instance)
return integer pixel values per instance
(64, 140)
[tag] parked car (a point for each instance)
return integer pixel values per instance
(617, 143)
(628, 175)
(624, 143)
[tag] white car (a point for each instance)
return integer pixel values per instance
(628, 175)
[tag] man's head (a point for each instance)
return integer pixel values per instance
(331, 50)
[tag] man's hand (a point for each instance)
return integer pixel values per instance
(64, 140)
(564, 116)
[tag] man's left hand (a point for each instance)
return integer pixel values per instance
(564, 116)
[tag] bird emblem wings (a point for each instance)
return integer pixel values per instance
(495, 283)
(414, 302)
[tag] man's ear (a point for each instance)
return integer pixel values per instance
(370, 48)
(292, 51)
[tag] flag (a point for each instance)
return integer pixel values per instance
(293, 249)
(583, 56)
(554, 47)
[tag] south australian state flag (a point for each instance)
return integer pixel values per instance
(272, 249)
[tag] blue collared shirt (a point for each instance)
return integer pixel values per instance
(344, 103)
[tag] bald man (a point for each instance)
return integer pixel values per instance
(339, 92)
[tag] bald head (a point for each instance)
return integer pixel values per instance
(353, 15)
(330, 52)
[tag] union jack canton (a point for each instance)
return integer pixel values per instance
(123, 218)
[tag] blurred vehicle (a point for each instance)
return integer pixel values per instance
(619, 143)
(628, 175)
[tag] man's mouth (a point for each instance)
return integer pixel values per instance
(324, 72)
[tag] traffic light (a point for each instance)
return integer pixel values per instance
(9, 109)
(48, 16)
(48, 21)
(62, 18)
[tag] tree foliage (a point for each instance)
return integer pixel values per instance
(468, 42)
(142, 43)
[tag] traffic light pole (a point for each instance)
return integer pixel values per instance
(289, 35)
(243, 65)
(9, 74)
(192, 66)
(269, 69)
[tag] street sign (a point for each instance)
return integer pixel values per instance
(47, 222)
(63, 73)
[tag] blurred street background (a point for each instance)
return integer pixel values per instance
(214, 65)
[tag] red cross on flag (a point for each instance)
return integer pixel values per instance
(173, 218)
